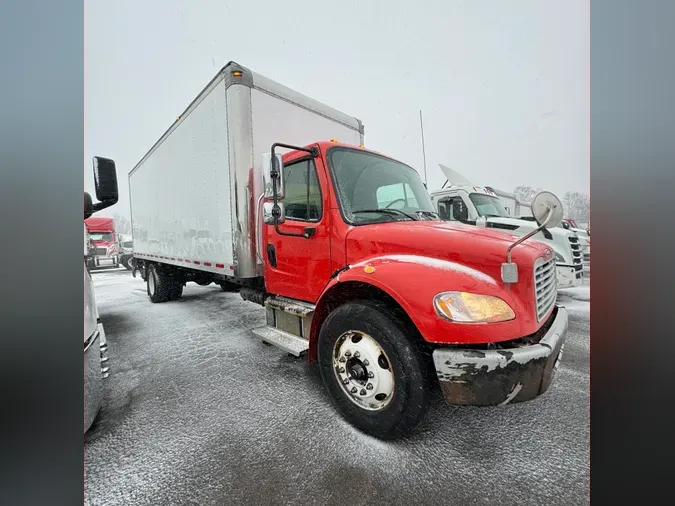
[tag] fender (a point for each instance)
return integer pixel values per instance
(400, 276)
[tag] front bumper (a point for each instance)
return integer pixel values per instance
(569, 276)
(105, 261)
(500, 376)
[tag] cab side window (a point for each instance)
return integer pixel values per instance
(452, 209)
(302, 198)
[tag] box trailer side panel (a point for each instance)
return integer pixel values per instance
(196, 196)
(181, 191)
(261, 112)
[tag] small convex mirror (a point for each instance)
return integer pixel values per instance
(547, 209)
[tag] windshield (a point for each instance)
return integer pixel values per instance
(372, 188)
(100, 236)
(487, 206)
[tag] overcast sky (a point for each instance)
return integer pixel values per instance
(503, 85)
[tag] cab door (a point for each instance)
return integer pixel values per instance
(295, 266)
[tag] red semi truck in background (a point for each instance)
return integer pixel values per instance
(102, 235)
(343, 248)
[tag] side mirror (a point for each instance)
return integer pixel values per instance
(268, 180)
(459, 210)
(88, 206)
(105, 180)
(269, 213)
(547, 210)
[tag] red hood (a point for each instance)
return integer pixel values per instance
(479, 248)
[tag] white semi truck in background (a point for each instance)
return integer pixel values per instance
(459, 200)
(126, 249)
(95, 345)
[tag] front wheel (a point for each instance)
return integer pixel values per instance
(376, 374)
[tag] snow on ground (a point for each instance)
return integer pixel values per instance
(199, 411)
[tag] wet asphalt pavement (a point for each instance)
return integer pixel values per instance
(198, 411)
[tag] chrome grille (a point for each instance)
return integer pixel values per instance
(100, 251)
(577, 257)
(545, 286)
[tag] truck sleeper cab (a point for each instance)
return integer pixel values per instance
(95, 344)
(343, 248)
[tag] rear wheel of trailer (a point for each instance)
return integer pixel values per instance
(373, 368)
(161, 285)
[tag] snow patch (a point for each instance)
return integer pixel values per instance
(444, 265)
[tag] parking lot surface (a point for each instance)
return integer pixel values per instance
(199, 411)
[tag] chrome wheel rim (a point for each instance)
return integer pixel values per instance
(363, 370)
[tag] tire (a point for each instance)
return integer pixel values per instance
(229, 287)
(159, 284)
(406, 367)
(125, 263)
(176, 291)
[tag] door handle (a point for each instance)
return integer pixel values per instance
(309, 232)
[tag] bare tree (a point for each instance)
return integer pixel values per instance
(122, 224)
(576, 205)
(525, 193)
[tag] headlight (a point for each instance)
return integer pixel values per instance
(463, 307)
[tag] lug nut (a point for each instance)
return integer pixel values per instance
(363, 391)
(366, 363)
(345, 381)
(354, 390)
(371, 374)
(357, 354)
(369, 386)
(342, 370)
(343, 359)
(348, 353)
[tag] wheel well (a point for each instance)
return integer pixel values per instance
(348, 291)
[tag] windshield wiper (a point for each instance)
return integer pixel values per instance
(432, 214)
(393, 212)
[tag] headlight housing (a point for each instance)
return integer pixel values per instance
(464, 307)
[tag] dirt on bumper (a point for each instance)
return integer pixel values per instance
(515, 373)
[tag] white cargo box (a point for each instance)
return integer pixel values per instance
(196, 195)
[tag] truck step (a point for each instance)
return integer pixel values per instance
(283, 340)
(290, 306)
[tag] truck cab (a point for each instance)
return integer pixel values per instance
(106, 243)
(95, 344)
(479, 206)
